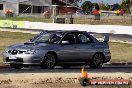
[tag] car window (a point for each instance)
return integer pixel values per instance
(55, 38)
(70, 38)
(48, 37)
(83, 39)
(43, 38)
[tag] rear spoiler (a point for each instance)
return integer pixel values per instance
(103, 37)
(106, 38)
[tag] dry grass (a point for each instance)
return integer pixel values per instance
(9, 38)
(121, 52)
(46, 20)
(83, 20)
(102, 22)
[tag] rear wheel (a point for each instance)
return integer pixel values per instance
(49, 61)
(97, 61)
(16, 66)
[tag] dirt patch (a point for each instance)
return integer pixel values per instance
(53, 80)
(4, 66)
(125, 63)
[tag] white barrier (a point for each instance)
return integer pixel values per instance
(115, 29)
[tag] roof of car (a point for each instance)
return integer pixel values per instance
(63, 31)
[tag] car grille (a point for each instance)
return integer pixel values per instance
(15, 52)
(14, 60)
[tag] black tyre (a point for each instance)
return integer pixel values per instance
(97, 61)
(16, 66)
(49, 61)
(84, 81)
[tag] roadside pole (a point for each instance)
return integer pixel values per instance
(131, 8)
(54, 12)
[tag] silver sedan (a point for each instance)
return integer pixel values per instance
(59, 48)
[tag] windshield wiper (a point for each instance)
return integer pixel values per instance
(39, 42)
(28, 43)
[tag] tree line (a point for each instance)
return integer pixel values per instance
(87, 6)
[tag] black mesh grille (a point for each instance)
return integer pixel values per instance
(14, 52)
(9, 51)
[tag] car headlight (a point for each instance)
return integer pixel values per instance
(30, 51)
(6, 50)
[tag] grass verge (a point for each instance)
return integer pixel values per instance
(121, 52)
(46, 20)
(9, 38)
(75, 21)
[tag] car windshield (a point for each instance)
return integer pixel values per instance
(48, 37)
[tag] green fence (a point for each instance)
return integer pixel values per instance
(12, 24)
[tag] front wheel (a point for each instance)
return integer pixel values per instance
(49, 61)
(97, 61)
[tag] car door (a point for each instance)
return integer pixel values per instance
(67, 48)
(85, 48)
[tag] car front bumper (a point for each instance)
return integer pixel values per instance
(26, 59)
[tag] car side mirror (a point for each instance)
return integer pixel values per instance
(106, 38)
(65, 42)
(30, 39)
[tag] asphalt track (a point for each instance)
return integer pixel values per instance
(121, 37)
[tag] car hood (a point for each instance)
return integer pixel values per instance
(26, 46)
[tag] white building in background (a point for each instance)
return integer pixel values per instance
(25, 6)
(38, 6)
